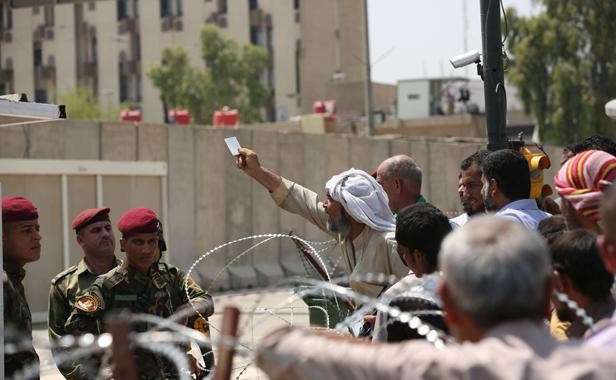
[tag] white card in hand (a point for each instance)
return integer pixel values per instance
(233, 145)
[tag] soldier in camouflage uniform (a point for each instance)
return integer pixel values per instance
(21, 244)
(141, 284)
(95, 236)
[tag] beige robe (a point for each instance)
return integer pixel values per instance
(511, 351)
(374, 250)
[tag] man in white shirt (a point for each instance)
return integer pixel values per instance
(506, 188)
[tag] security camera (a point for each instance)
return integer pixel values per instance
(610, 109)
(465, 59)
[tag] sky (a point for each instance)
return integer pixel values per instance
(415, 38)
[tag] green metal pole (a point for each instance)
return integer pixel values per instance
(493, 76)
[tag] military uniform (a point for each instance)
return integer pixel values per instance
(160, 292)
(17, 321)
(65, 288)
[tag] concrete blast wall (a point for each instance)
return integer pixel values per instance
(208, 200)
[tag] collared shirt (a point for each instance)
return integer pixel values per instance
(514, 350)
(17, 320)
(459, 220)
(605, 334)
(371, 251)
(524, 211)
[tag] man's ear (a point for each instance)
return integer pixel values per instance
(79, 240)
(607, 249)
(398, 184)
(494, 188)
(450, 309)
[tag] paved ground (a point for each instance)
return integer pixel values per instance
(268, 316)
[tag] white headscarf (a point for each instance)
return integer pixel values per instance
(363, 198)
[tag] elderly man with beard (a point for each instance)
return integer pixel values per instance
(506, 188)
(469, 188)
(94, 235)
(355, 211)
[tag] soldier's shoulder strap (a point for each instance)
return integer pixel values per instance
(113, 277)
(63, 274)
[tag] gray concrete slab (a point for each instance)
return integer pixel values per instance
(239, 211)
(82, 140)
(181, 196)
(46, 140)
(152, 142)
(14, 142)
(265, 213)
(118, 142)
(291, 158)
(210, 200)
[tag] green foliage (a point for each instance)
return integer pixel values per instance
(564, 66)
(80, 104)
(231, 78)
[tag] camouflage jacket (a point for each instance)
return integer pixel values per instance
(18, 348)
(160, 292)
(65, 288)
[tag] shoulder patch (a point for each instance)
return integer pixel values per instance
(89, 303)
(63, 274)
(113, 277)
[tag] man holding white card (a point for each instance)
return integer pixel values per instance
(355, 211)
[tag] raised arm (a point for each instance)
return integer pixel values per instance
(249, 163)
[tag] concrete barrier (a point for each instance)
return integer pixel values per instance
(209, 200)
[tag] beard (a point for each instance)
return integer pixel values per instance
(339, 225)
(488, 202)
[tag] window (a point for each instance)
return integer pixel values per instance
(122, 9)
(222, 6)
(296, 4)
(256, 36)
(179, 8)
(297, 66)
(165, 8)
(49, 15)
(6, 16)
(40, 96)
(253, 4)
(37, 54)
(123, 86)
(94, 47)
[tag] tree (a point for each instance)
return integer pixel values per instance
(231, 78)
(564, 66)
(80, 104)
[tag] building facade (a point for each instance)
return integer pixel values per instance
(108, 46)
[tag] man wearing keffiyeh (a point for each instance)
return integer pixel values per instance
(355, 211)
(581, 182)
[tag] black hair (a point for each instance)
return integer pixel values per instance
(474, 159)
(595, 142)
(576, 255)
(552, 228)
(423, 227)
(510, 171)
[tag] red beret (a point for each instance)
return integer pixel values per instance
(138, 220)
(16, 208)
(89, 216)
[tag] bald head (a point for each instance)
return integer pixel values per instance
(401, 179)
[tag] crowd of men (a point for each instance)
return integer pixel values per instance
(524, 293)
